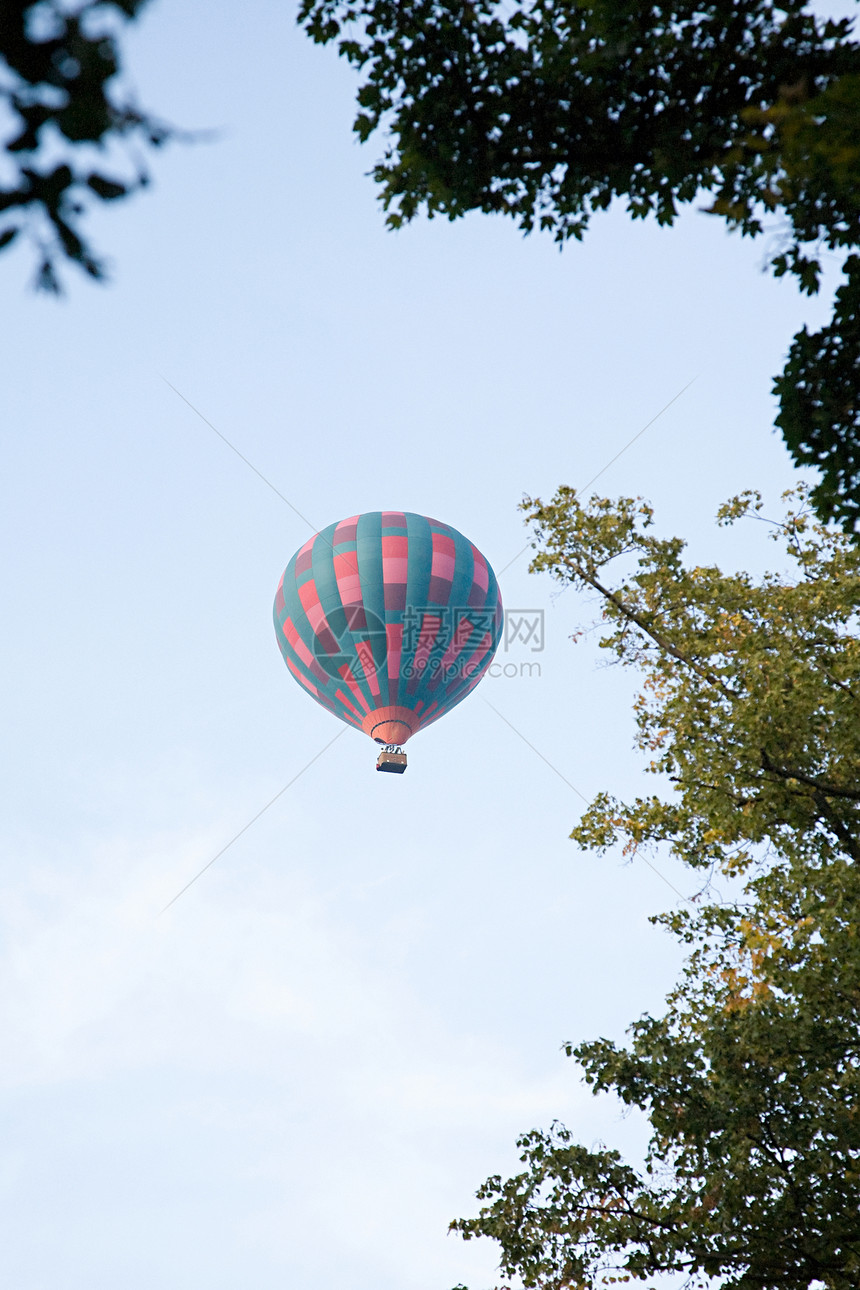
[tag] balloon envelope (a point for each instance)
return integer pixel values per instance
(388, 619)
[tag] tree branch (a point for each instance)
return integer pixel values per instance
(659, 639)
(820, 785)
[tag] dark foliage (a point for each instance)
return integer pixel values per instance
(547, 110)
(819, 404)
(56, 69)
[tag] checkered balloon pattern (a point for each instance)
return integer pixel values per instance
(388, 620)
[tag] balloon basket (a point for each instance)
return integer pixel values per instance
(392, 759)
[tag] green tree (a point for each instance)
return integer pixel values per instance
(547, 110)
(56, 69)
(750, 714)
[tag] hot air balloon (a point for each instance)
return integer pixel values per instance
(389, 620)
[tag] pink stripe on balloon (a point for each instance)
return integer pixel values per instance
(458, 642)
(395, 559)
(430, 624)
(346, 530)
(308, 594)
(394, 640)
(365, 657)
(297, 643)
(302, 679)
(319, 623)
(346, 562)
(348, 582)
(482, 574)
(354, 688)
(444, 557)
(351, 709)
(316, 617)
(475, 666)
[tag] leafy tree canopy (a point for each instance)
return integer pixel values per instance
(60, 119)
(547, 110)
(750, 714)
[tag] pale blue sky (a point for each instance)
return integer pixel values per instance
(304, 1069)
